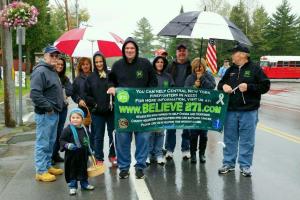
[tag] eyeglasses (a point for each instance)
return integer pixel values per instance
(54, 55)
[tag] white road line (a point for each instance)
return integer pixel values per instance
(140, 186)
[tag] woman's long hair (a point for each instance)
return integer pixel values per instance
(80, 63)
(62, 74)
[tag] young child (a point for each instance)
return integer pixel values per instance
(74, 140)
(157, 137)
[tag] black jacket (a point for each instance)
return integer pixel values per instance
(79, 88)
(172, 69)
(257, 82)
(95, 88)
(137, 74)
(45, 89)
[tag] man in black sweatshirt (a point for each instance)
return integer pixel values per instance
(245, 82)
(131, 72)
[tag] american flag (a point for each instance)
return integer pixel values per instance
(211, 55)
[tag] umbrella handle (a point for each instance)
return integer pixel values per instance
(201, 47)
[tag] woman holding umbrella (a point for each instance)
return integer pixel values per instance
(200, 79)
(100, 105)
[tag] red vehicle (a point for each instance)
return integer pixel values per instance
(281, 67)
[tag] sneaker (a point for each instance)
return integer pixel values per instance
(72, 191)
(186, 155)
(45, 177)
(113, 161)
(89, 187)
(169, 155)
(246, 172)
(139, 174)
(124, 174)
(55, 171)
(161, 160)
(225, 169)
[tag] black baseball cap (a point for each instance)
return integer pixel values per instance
(239, 48)
(179, 46)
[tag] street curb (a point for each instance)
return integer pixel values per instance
(21, 137)
(26, 133)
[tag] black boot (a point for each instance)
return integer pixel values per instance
(193, 157)
(202, 148)
(202, 158)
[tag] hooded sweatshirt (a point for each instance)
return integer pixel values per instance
(95, 87)
(257, 82)
(45, 89)
(137, 74)
(164, 79)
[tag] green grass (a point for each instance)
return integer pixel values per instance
(25, 90)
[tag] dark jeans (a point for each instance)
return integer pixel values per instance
(171, 140)
(195, 134)
(60, 127)
(97, 134)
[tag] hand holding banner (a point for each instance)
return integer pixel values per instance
(169, 108)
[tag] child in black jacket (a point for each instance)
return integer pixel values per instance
(74, 140)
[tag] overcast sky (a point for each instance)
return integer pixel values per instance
(121, 16)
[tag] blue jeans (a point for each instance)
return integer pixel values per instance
(46, 128)
(156, 143)
(171, 140)
(73, 184)
(60, 127)
(123, 146)
(98, 130)
(239, 136)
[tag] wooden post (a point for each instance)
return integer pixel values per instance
(9, 85)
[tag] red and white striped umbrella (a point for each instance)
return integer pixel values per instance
(84, 42)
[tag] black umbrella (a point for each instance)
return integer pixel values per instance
(204, 25)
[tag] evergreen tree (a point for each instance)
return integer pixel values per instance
(283, 31)
(144, 37)
(240, 17)
(258, 33)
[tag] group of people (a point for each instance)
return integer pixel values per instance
(93, 90)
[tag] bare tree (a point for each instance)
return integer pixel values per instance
(218, 6)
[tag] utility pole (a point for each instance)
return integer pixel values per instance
(9, 87)
(77, 15)
(67, 14)
(68, 27)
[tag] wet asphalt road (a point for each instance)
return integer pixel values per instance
(275, 169)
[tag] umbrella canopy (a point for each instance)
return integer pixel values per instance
(84, 42)
(204, 25)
